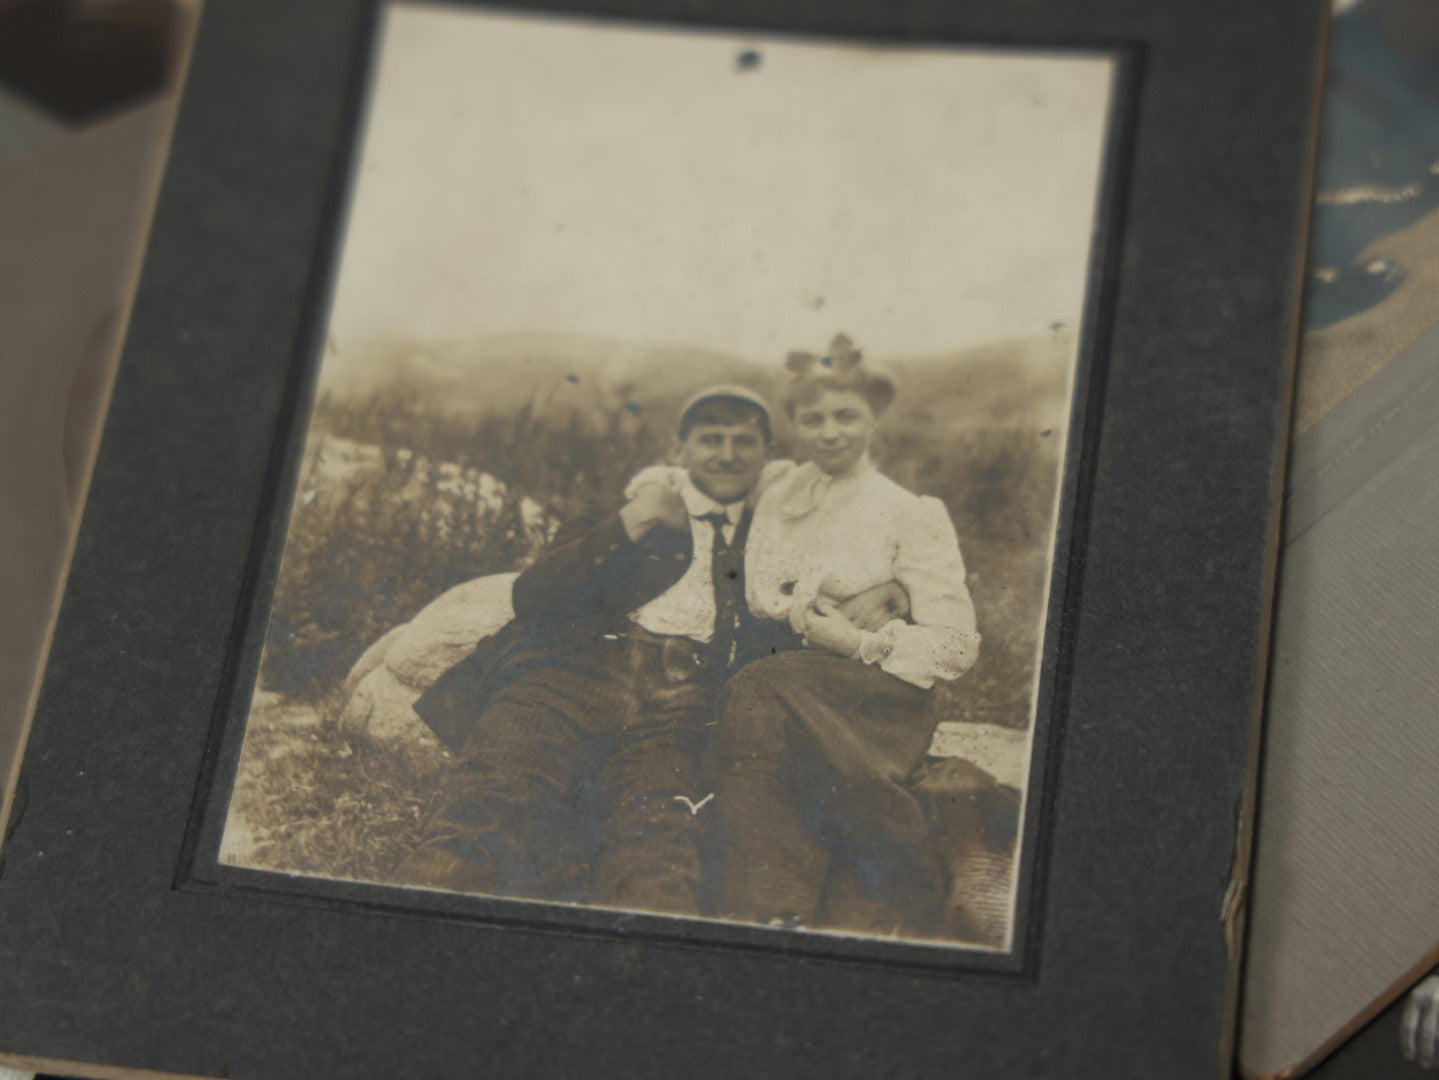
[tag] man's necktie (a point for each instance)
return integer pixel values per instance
(726, 562)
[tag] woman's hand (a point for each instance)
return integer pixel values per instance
(824, 626)
(876, 608)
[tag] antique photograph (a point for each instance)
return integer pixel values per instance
(677, 515)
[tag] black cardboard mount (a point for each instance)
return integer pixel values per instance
(113, 949)
(201, 867)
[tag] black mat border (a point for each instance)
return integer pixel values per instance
(200, 869)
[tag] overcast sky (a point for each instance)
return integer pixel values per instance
(523, 175)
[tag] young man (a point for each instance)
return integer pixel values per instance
(579, 728)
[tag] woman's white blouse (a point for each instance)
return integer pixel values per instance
(817, 536)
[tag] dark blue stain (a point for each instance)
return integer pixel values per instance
(1381, 130)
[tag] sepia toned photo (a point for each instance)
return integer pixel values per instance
(676, 521)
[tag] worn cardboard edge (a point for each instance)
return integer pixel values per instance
(1236, 894)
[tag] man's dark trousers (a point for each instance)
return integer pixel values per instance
(579, 734)
(596, 752)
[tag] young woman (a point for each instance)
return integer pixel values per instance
(810, 758)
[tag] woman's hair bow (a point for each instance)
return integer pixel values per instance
(842, 356)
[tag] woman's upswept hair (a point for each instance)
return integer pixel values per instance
(842, 368)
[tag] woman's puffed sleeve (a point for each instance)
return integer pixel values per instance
(772, 473)
(941, 640)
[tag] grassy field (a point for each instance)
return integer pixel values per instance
(309, 800)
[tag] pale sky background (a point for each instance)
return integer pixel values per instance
(525, 175)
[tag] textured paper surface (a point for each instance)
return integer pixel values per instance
(1347, 860)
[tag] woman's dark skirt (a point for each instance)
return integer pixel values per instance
(810, 762)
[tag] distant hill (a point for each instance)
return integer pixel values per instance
(1021, 383)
